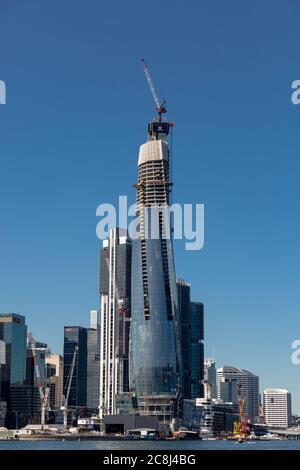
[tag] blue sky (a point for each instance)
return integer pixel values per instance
(76, 113)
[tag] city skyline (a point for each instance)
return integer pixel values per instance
(54, 178)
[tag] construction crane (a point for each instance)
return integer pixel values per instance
(160, 107)
(241, 428)
(65, 397)
(159, 127)
(43, 391)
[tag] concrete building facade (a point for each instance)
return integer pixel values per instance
(277, 407)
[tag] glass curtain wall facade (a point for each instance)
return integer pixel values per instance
(184, 301)
(13, 333)
(41, 350)
(13, 337)
(76, 337)
(197, 350)
(155, 359)
(93, 368)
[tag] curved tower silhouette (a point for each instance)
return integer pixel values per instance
(155, 362)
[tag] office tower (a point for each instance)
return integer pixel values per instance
(115, 292)
(210, 379)
(13, 334)
(277, 408)
(2, 361)
(2, 352)
(93, 369)
(3, 412)
(192, 347)
(94, 319)
(41, 350)
(232, 381)
(184, 304)
(93, 361)
(155, 358)
(3, 404)
(55, 378)
(75, 342)
(228, 390)
(197, 350)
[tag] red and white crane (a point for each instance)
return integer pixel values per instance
(43, 389)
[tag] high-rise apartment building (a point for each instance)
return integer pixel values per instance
(155, 357)
(197, 349)
(115, 293)
(75, 341)
(232, 381)
(277, 408)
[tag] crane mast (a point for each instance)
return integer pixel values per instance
(44, 393)
(241, 428)
(68, 388)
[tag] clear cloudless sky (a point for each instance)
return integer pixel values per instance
(77, 109)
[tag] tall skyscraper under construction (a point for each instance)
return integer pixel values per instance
(155, 359)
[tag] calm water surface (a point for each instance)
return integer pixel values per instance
(160, 445)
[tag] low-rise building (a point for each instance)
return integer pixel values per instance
(218, 417)
(120, 424)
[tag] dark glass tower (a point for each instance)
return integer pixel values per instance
(76, 337)
(41, 349)
(13, 332)
(197, 350)
(93, 368)
(13, 337)
(155, 359)
(184, 302)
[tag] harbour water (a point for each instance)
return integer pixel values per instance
(150, 445)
